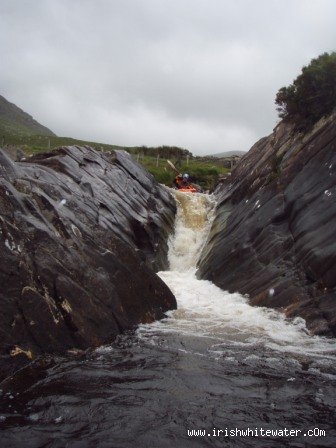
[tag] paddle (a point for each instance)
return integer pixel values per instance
(173, 166)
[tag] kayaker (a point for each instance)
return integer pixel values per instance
(182, 180)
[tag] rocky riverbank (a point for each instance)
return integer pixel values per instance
(81, 236)
(274, 233)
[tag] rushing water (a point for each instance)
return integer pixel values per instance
(215, 364)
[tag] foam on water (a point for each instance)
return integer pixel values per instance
(216, 362)
(195, 214)
(206, 311)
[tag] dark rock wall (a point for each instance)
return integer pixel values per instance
(274, 233)
(81, 234)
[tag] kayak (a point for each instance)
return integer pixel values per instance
(188, 190)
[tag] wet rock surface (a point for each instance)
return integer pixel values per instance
(274, 233)
(143, 392)
(81, 236)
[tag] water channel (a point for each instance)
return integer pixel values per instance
(214, 367)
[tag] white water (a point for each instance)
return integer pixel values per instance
(216, 362)
(206, 311)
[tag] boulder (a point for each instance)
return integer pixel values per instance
(273, 237)
(81, 235)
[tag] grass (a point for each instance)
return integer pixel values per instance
(204, 172)
(32, 144)
(19, 129)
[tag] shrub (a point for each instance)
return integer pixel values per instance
(312, 94)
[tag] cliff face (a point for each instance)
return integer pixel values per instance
(81, 234)
(274, 233)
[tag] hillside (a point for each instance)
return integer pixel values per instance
(228, 154)
(14, 122)
(18, 129)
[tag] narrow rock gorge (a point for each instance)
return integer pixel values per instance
(273, 237)
(81, 236)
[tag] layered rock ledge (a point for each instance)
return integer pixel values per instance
(273, 237)
(81, 236)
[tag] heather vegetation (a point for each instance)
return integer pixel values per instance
(204, 172)
(20, 130)
(312, 94)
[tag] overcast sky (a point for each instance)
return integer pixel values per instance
(200, 74)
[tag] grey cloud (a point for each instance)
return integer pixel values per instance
(202, 74)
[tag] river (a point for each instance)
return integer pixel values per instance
(215, 365)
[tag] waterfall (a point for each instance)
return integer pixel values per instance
(206, 311)
(215, 362)
(195, 213)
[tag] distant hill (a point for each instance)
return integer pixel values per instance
(21, 135)
(14, 121)
(228, 154)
